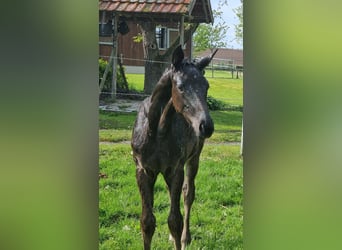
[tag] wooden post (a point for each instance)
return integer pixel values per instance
(212, 66)
(191, 46)
(181, 32)
(104, 77)
(241, 145)
(115, 53)
(103, 21)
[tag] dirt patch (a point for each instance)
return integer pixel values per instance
(121, 105)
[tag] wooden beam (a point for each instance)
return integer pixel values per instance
(157, 18)
(181, 32)
(106, 43)
(115, 53)
(241, 145)
(104, 77)
(205, 11)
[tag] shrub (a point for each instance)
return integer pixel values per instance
(108, 83)
(234, 108)
(214, 104)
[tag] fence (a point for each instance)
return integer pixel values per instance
(225, 68)
(232, 68)
(219, 68)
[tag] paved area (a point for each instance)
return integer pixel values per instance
(122, 105)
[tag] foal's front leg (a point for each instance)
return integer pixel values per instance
(147, 220)
(175, 221)
(189, 196)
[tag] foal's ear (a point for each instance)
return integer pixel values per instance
(177, 57)
(204, 62)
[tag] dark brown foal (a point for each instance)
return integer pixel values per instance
(168, 134)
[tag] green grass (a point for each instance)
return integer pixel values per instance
(222, 86)
(116, 127)
(217, 214)
(116, 120)
(136, 81)
(226, 89)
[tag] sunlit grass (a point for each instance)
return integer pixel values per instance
(136, 81)
(222, 86)
(217, 214)
(116, 127)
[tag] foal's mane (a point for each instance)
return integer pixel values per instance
(161, 104)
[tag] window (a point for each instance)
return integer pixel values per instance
(165, 37)
(106, 29)
(173, 35)
(161, 36)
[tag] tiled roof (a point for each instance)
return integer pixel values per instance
(192, 10)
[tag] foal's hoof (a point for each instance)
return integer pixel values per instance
(171, 238)
(187, 239)
(186, 242)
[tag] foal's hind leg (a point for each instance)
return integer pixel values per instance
(147, 220)
(175, 220)
(189, 196)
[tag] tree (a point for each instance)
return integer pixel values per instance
(211, 36)
(155, 62)
(239, 27)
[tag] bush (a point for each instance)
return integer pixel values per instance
(107, 87)
(214, 104)
(234, 108)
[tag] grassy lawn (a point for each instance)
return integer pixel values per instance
(116, 127)
(216, 221)
(222, 86)
(226, 89)
(217, 213)
(136, 81)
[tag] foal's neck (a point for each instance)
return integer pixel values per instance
(160, 99)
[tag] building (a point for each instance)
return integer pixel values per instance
(170, 16)
(225, 56)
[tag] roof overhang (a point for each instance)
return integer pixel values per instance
(194, 11)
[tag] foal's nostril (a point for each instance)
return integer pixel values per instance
(202, 128)
(206, 129)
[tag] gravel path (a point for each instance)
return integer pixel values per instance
(121, 105)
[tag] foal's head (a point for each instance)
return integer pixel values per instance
(189, 92)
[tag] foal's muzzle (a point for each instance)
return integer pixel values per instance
(206, 128)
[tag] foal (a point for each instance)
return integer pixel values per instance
(169, 132)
